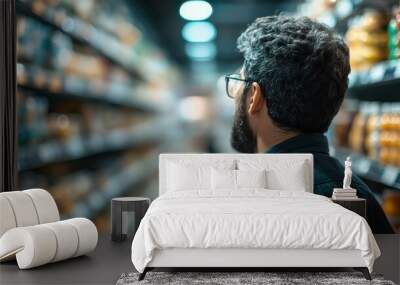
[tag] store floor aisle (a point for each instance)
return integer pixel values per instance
(103, 266)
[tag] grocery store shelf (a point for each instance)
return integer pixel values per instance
(116, 186)
(384, 72)
(84, 33)
(121, 183)
(72, 87)
(370, 169)
(378, 83)
(80, 147)
(342, 12)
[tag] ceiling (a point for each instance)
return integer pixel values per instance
(230, 17)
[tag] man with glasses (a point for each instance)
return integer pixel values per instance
(291, 85)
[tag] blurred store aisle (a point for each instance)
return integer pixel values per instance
(105, 86)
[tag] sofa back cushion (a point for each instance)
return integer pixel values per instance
(26, 208)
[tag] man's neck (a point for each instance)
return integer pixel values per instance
(268, 139)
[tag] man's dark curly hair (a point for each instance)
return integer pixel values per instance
(302, 68)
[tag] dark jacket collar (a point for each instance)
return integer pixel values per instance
(303, 143)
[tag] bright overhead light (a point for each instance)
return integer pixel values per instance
(199, 32)
(201, 51)
(195, 10)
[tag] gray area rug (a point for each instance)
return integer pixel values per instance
(228, 278)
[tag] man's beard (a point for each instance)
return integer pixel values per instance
(242, 137)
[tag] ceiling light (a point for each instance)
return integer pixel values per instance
(201, 51)
(199, 32)
(195, 10)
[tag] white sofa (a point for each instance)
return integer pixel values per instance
(31, 230)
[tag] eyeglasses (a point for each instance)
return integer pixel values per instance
(232, 84)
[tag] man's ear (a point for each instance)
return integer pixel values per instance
(256, 99)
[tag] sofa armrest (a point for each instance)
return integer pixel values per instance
(45, 243)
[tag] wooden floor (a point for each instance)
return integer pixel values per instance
(110, 260)
(103, 266)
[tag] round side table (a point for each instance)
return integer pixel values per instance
(126, 214)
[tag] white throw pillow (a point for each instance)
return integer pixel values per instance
(183, 177)
(226, 179)
(281, 175)
(186, 174)
(223, 179)
(294, 180)
(251, 178)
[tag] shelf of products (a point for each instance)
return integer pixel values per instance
(86, 192)
(371, 30)
(83, 32)
(339, 14)
(45, 83)
(96, 100)
(371, 129)
(378, 83)
(367, 38)
(79, 146)
(381, 73)
(369, 27)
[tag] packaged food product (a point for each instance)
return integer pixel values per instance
(368, 40)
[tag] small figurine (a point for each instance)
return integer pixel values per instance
(347, 174)
(345, 193)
